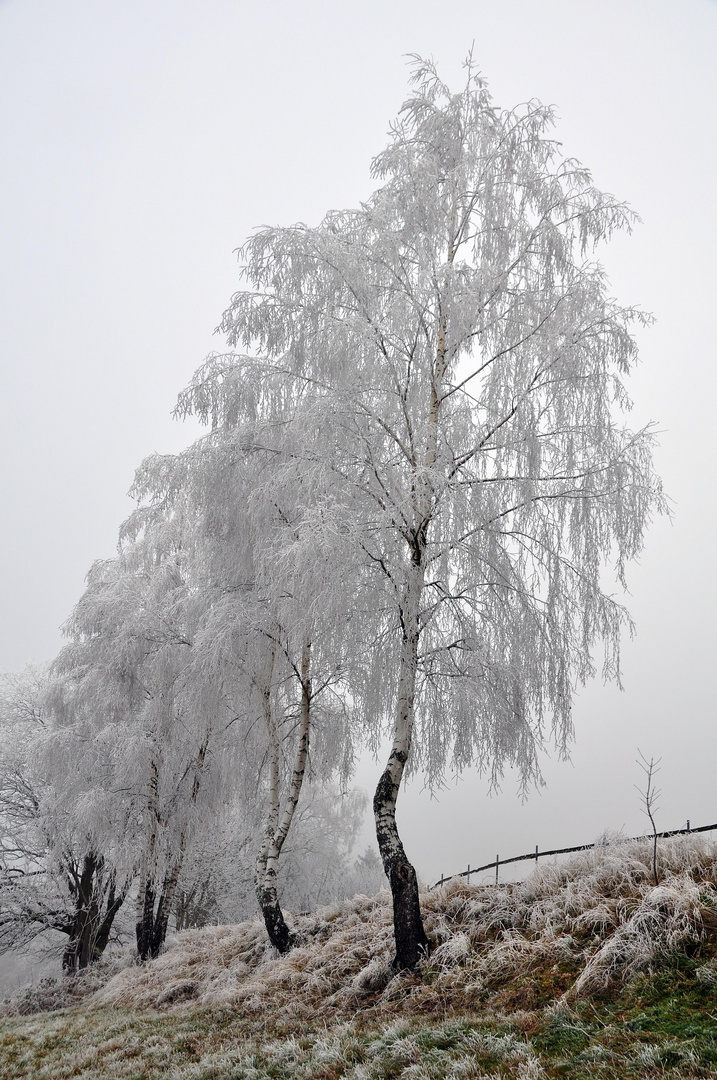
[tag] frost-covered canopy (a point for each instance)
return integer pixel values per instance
(454, 345)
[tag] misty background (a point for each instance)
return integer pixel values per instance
(143, 141)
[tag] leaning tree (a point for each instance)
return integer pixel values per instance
(454, 344)
(131, 678)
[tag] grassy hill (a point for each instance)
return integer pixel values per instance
(586, 969)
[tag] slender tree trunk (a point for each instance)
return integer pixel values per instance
(166, 899)
(192, 906)
(265, 887)
(277, 830)
(89, 933)
(409, 933)
(113, 903)
(410, 937)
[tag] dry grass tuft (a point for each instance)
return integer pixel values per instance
(667, 918)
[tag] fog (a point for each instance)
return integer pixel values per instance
(144, 141)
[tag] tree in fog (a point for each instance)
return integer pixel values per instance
(56, 871)
(318, 863)
(268, 641)
(453, 343)
(129, 677)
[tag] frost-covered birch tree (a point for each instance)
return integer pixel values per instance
(454, 344)
(268, 638)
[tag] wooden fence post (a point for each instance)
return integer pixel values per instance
(497, 864)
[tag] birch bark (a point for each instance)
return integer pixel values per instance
(410, 937)
(278, 824)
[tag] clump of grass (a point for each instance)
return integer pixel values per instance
(666, 920)
(706, 974)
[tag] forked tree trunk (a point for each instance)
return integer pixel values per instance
(267, 862)
(96, 905)
(152, 928)
(166, 898)
(410, 937)
(113, 903)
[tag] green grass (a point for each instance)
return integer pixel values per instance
(664, 1026)
(200, 1045)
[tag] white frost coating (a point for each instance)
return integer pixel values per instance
(418, 464)
(490, 940)
(454, 344)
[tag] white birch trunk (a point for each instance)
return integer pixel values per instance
(410, 936)
(278, 825)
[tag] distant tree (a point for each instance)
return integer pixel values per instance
(129, 676)
(456, 349)
(320, 865)
(317, 864)
(54, 874)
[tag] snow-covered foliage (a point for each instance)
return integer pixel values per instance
(57, 872)
(267, 647)
(454, 343)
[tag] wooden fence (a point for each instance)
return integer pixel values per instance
(498, 862)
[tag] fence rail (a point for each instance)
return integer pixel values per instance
(498, 862)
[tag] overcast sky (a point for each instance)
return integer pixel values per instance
(142, 141)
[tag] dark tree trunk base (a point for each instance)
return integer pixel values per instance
(412, 944)
(279, 934)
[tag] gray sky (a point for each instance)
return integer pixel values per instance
(143, 141)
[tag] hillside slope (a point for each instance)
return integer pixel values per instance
(586, 969)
